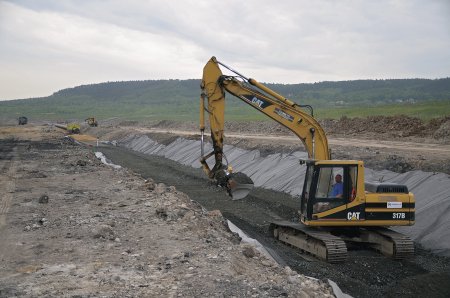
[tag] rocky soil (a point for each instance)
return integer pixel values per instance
(365, 272)
(71, 226)
(387, 278)
(373, 127)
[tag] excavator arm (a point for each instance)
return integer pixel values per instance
(284, 111)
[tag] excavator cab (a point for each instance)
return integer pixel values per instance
(330, 192)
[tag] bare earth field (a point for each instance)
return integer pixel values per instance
(71, 226)
(74, 227)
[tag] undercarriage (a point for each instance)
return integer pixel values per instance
(330, 244)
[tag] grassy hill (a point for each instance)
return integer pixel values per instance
(178, 100)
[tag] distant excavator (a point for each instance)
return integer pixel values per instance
(73, 128)
(23, 120)
(336, 204)
(91, 121)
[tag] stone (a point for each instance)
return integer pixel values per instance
(43, 199)
(249, 251)
(149, 184)
(104, 231)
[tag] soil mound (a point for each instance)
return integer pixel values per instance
(378, 127)
(389, 126)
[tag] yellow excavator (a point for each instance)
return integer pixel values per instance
(336, 205)
(73, 128)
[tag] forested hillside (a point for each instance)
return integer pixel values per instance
(178, 99)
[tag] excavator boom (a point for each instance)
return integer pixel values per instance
(267, 101)
(214, 86)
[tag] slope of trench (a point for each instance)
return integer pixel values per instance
(365, 274)
(282, 172)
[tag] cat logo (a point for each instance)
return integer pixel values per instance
(353, 215)
(258, 102)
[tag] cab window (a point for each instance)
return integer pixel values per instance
(330, 189)
(330, 183)
(307, 187)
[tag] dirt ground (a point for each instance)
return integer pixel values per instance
(422, 276)
(365, 274)
(74, 227)
(71, 226)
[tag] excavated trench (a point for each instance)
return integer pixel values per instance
(365, 274)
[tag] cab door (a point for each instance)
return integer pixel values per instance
(328, 192)
(309, 177)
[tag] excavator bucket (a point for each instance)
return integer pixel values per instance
(239, 185)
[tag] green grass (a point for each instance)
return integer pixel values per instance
(188, 111)
(424, 111)
(179, 100)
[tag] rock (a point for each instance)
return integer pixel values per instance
(160, 188)
(189, 215)
(397, 164)
(122, 204)
(161, 212)
(81, 163)
(288, 271)
(43, 199)
(180, 213)
(303, 294)
(149, 184)
(104, 231)
(249, 251)
(215, 213)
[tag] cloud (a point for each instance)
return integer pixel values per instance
(50, 45)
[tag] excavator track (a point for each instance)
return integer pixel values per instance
(399, 246)
(319, 243)
(386, 241)
(328, 247)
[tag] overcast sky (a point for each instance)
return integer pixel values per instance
(46, 46)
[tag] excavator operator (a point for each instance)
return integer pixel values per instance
(338, 188)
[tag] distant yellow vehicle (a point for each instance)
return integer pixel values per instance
(91, 122)
(71, 127)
